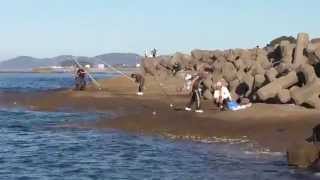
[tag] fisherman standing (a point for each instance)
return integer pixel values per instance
(140, 80)
(197, 87)
(154, 52)
(80, 80)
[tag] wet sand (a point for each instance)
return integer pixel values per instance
(271, 126)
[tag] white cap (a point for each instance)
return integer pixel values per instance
(188, 77)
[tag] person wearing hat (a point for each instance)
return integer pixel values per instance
(197, 87)
(221, 95)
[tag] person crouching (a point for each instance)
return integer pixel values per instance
(140, 80)
(221, 95)
(80, 80)
(197, 87)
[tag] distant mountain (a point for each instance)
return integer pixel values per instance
(28, 63)
(24, 62)
(119, 58)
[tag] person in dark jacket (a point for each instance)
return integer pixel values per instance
(154, 52)
(80, 80)
(140, 80)
(197, 87)
(176, 68)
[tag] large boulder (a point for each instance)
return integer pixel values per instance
(284, 68)
(218, 65)
(302, 44)
(202, 55)
(259, 80)
(272, 74)
(249, 81)
(313, 53)
(245, 54)
(257, 68)
(233, 85)
(149, 66)
(229, 72)
(231, 55)
(284, 95)
(308, 72)
(262, 59)
(240, 64)
(180, 58)
(307, 94)
(286, 51)
(272, 89)
(207, 94)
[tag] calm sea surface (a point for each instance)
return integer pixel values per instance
(33, 147)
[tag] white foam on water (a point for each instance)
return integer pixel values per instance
(242, 140)
(250, 148)
(264, 152)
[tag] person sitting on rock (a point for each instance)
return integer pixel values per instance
(197, 87)
(176, 68)
(221, 95)
(140, 80)
(80, 80)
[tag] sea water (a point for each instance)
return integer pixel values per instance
(34, 145)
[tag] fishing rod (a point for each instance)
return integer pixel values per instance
(128, 77)
(154, 112)
(90, 76)
(120, 72)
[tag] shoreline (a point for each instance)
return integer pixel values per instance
(274, 127)
(68, 71)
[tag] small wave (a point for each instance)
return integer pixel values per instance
(242, 140)
(250, 148)
(263, 151)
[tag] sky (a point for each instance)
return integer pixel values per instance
(48, 28)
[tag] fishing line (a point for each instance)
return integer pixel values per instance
(172, 103)
(160, 84)
(154, 112)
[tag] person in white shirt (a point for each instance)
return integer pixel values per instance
(221, 95)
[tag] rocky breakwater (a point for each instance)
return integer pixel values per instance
(285, 72)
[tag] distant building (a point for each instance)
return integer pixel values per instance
(56, 67)
(101, 66)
